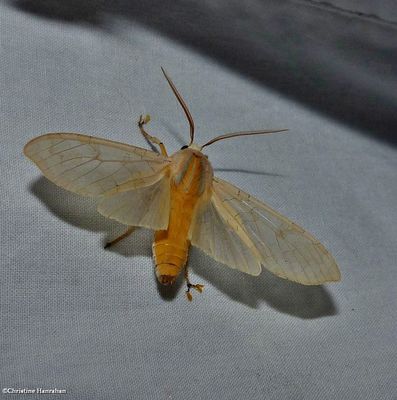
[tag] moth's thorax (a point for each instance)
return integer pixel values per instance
(191, 172)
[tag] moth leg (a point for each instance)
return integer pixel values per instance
(189, 285)
(121, 237)
(144, 120)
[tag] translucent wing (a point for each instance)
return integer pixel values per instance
(219, 236)
(277, 243)
(146, 206)
(124, 176)
(91, 166)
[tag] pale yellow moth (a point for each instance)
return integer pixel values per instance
(179, 198)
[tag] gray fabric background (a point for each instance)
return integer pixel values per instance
(94, 322)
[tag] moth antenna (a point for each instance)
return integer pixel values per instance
(246, 133)
(183, 105)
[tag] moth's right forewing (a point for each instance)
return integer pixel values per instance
(284, 248)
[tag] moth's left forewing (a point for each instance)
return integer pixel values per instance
(92, 166)
(131, 183)
(271, 239)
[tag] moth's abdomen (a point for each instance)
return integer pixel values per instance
(169, 256)
(191, 177)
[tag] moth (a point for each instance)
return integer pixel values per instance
(179, 198)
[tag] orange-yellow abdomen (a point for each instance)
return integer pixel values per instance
(191, 178)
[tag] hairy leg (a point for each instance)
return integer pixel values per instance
(143, 121)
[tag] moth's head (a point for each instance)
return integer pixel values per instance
(192, 146)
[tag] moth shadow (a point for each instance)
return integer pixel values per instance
(287, 297)
(175, 133)
(250, 172)
(81, 212)
(306, 302)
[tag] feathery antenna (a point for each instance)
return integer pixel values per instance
(247, 133)
(183, 105)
